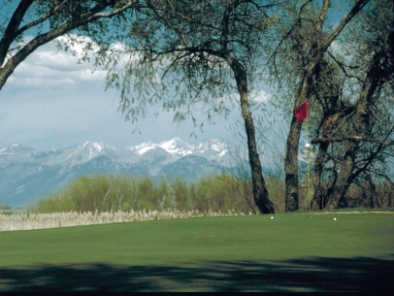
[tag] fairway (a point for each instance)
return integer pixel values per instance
(168, 242)
(191, 243)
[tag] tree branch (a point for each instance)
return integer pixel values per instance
(41, 19)
(9, 34)
(118, 10)
(342, 66)
(355, 9)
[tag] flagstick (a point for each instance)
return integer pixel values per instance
(308, 150)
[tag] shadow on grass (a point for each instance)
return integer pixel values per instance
(310, 274)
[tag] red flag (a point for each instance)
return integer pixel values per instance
(302, 112)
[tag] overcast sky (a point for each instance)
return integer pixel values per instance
(52, 101)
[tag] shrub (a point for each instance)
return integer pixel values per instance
(109, 193)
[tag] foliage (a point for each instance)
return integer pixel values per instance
(4, 207)
(174, 55)
(215, 194)
(6, 210)
(103, 193)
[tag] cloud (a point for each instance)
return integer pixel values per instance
(259, 96)
(49, 66)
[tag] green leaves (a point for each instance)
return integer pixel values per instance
(220, 193)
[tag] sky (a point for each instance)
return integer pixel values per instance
(51, 101)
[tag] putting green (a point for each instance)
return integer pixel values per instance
(189, 241)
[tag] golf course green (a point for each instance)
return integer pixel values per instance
(198, 244)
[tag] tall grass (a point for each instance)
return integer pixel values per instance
(29, 221)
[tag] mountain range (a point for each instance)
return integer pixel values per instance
(28, 174)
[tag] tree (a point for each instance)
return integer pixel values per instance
(47, 20)
(303, 46)
(363, 132)
(205, 47)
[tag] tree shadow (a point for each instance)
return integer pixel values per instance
(308, 274)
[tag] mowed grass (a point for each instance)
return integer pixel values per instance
(190, 241)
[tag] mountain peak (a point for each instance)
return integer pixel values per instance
(177, 146)
(88, 151)
(143, 147)
(211, 148)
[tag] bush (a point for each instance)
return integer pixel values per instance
(109, 193)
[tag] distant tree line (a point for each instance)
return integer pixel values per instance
(104, 193)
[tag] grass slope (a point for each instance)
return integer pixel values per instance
(190, 241)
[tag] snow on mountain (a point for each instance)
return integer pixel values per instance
(87, 151)
(177, 147)
(143, 147)
(211, 149)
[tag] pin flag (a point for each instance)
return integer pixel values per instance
(302, 112)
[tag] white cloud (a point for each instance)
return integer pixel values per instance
(259, 96)
(49, 66)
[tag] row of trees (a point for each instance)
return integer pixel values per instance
(101, 193)
(221, 193)
(183, 53)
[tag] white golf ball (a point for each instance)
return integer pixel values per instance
(335, 219)
(272, 217)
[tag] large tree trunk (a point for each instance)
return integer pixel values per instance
(260, 192)
(291, 167)
(292, 143)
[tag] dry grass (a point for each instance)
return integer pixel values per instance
(29, 221)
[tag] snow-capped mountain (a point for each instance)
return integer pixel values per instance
(27, 174)
(211, 149)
